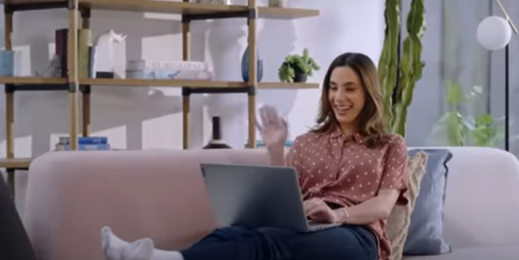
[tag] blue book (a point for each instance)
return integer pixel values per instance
(85, 140)
(84, 147)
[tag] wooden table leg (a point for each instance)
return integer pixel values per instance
(10, 182)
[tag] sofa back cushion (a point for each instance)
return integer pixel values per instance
(156, 194)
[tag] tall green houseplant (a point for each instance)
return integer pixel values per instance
(399, 74)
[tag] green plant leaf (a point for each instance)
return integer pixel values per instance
(286, 73)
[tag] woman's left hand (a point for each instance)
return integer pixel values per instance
(317, 210)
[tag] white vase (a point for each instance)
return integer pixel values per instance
(278, 3)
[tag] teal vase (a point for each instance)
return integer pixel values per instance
(245, 66)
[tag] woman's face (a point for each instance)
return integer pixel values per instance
(347, 96)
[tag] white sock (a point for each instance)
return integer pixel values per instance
(115, 248)
(111, 244)
(167, 255)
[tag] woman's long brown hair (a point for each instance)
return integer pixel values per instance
(372, 124)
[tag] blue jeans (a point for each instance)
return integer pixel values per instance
(347, 242)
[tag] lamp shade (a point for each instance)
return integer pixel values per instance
(494, 33)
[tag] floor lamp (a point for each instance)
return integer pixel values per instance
(494, 33)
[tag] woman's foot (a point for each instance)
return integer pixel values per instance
(115, 248)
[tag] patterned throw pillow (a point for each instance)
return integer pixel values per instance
(400, 217)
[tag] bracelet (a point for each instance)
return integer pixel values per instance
(345, 213)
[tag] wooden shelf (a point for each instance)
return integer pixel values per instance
(154, 6)
(162, 83)
(15, 163)
(279, 85)
(171, 7)
(158, 83)
(193, 83)
(23, 2)
(286, 13)
(175, 7)
(31, 80)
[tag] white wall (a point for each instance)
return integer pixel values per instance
(147, 118)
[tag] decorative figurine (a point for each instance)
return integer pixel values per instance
(53, 70)
(104, 66)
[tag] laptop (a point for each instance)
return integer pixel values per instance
(257, 196)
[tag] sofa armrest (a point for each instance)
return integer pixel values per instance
(482, 199)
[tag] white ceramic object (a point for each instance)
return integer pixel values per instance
(494, 33)
(104, 53)
(278, 3)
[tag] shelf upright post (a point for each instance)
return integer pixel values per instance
(85, 90)
(253, 81)
(186, 92)
(9, 100)
(72, 72)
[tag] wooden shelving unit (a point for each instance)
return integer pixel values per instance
(80, 10)
(15, 163)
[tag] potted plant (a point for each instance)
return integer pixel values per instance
(297, 68)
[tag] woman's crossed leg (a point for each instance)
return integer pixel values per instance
(345, 242)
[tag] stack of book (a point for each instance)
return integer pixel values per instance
(85, 52)
(90, 143)
(181, 70)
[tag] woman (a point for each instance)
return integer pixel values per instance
(351, 171)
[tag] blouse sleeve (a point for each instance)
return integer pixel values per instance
(293, 157)
(395, 174)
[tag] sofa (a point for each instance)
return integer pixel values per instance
(161, 195)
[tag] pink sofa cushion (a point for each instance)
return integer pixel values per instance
(156, 194)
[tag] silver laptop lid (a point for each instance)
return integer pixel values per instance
(254, 196)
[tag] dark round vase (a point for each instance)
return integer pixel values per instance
(299, 76)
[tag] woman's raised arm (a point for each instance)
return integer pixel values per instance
(274, 132)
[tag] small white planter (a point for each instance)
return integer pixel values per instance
(278, 3)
